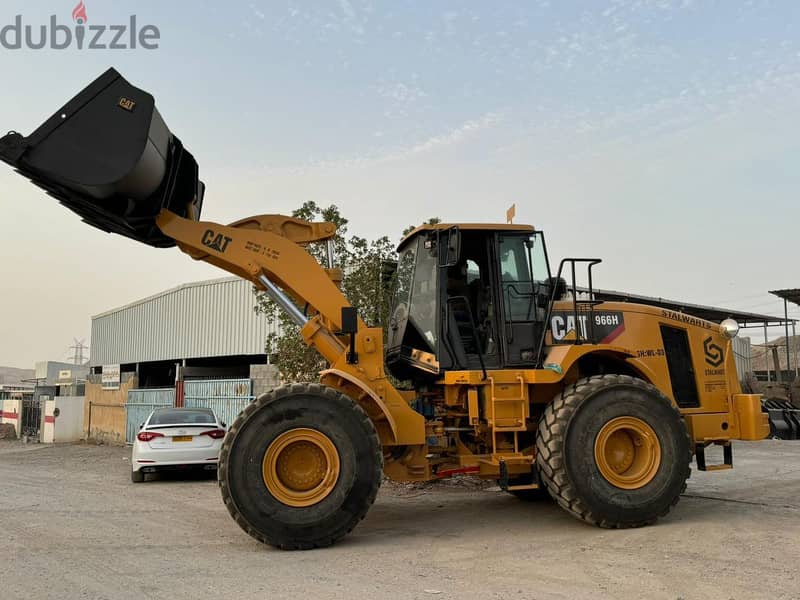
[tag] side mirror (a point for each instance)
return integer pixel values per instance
(141, 425)
(224, 425)
(388, 270)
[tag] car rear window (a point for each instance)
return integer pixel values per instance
(182, 416)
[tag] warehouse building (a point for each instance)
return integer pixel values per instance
(156, 346)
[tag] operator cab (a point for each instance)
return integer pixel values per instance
(468, 297)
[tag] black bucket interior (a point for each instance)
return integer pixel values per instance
(108, 156)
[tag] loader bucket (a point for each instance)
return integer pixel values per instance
(108, 156)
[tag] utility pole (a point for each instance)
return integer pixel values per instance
(786, 329)
(777, 361)
(766, 349)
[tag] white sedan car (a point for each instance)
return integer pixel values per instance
(177, 438)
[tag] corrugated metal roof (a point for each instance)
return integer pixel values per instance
(709, 313)
(792, 295)
(194, 320)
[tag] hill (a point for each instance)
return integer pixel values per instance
(762, 355)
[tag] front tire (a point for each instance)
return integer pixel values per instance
(613, 451)
(300, 467)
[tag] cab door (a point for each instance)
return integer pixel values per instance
(523, 272)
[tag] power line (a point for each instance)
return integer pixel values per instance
(78, 347)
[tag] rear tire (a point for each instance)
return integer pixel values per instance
(572, 459)
(137, 476)
(265, 467)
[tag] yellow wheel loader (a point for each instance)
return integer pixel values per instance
(511, 374)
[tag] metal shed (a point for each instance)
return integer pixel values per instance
(213, 318)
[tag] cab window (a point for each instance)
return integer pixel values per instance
(523, 265)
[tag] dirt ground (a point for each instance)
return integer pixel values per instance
(73, 526)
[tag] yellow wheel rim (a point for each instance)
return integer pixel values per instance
(301, 467)
(627, 452)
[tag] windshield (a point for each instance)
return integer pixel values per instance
(422, 309)
(405, 276)
(415, 297)
(176, 416)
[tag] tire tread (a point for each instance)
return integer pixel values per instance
(247, 413)
(550, 441)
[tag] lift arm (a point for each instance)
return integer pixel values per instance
(268, 251)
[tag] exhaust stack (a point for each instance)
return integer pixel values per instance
(108, 156)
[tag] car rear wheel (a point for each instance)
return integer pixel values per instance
(137, 476)
(300, 467)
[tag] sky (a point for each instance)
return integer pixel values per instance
(659, 135)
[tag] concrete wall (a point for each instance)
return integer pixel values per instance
(11, 412)
(265, 377)
(45, 391)
(67, 426)
(47, 371)
(47, 434)
(108, 410)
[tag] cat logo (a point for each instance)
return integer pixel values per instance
(127, 104)
(714, 354)
(216, 241)
(601, 326)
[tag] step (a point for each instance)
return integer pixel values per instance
(727, 457)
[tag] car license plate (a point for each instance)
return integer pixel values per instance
(182, 438)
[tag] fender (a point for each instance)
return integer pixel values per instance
(412, 431)
(568, 356)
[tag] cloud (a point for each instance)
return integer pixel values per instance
(347, 9)
(453, 137)
(461, 134)
(401, 92)
(259, 14)
(350, 19)
(400, 97)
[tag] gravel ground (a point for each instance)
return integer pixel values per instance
(73, 526)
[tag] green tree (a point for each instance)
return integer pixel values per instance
(361, 260)
(431, 221)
